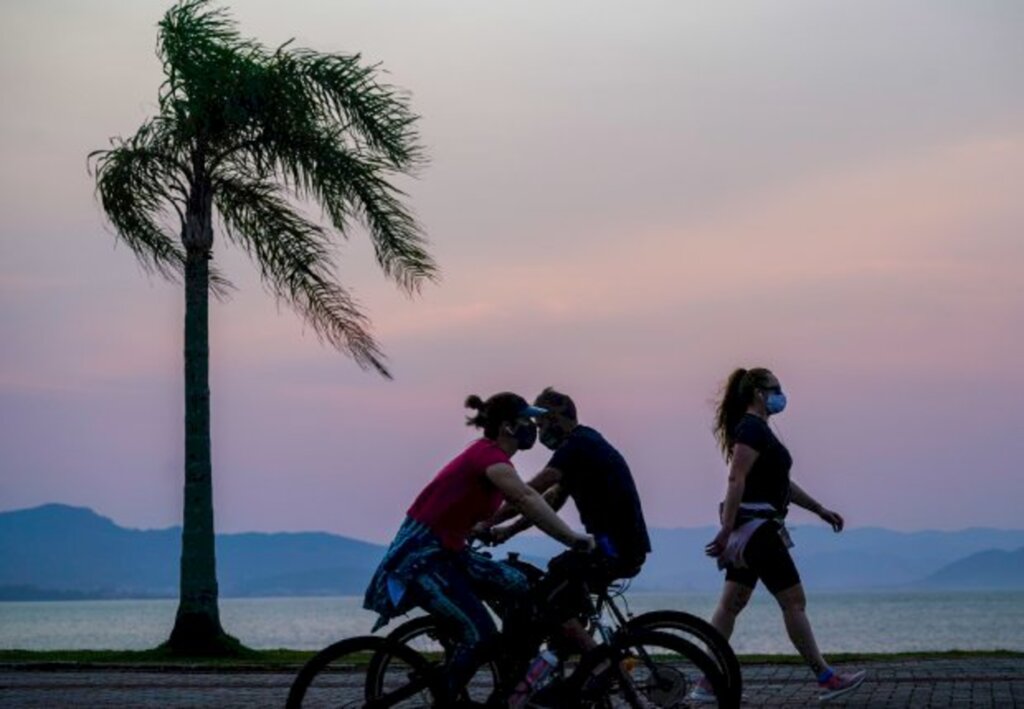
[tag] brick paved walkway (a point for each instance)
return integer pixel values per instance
(976, 682)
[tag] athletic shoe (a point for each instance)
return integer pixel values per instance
(703, 693)
(839, 684)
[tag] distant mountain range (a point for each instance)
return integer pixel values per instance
(57, 552)
(987, 569)
(57, 549)
(856, 559)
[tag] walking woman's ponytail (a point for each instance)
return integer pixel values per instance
(737, 395)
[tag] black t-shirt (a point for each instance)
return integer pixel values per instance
(768, 479)
(597, 478)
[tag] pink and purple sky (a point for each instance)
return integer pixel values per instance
(626, 201)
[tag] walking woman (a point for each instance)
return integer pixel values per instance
(428, 564)
(753, 543)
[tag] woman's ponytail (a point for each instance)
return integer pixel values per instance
(737, 394)
(491, 415)
(477, 404)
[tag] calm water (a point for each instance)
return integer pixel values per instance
(878, 622)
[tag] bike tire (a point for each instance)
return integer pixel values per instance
(692, 628)
(423, 635)
(334, 677)
(663, 669)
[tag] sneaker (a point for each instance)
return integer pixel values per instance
(703, 693)
(839, 684)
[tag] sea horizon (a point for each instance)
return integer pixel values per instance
(844, 621)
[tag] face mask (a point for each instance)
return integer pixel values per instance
(526, 436)
(775, 403)
(551, 438)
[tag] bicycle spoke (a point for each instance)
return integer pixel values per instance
(337, 677)
(422, 635)
(647, 669)
(701, 634)
(400, 685)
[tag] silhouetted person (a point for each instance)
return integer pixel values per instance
(753, 543)
(428, 564)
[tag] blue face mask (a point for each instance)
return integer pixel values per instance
(775, 403)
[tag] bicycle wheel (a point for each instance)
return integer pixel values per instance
(702, 634)
(645, 668)
(428, 640)
(336, 677)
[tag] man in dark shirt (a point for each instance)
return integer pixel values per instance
(588, 469)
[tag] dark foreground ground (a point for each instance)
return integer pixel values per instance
(967, 682)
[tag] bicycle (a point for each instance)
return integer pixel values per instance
(639, 666)
(637, 669)
(604, 618)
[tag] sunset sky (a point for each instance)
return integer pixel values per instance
(626, 200)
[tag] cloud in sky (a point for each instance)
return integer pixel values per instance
(625, 204)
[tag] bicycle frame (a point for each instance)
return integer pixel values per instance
(608, 620)
(605, 601)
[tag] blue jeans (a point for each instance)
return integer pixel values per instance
(452, 589)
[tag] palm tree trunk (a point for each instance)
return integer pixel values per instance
(197, 629)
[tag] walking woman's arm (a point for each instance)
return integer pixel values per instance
(800, 498)
(743, 457)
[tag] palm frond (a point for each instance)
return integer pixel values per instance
(244, 123)
(295, 262)
(131, 184)
(210, 70)
(373, 112)
(317, 164)
(139, 180)
(399, 243)
(191, 34)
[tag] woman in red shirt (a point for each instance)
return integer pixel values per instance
(428, 564)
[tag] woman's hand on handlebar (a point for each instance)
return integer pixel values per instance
(500, 535)
(483, 534)
(491, 536)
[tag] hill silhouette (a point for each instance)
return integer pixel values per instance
(61, 552)
(991, 569)
(58, 548)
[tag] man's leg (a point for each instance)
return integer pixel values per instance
(575, 633)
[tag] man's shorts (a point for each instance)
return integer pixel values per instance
(563, 594)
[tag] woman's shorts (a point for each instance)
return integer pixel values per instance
(767, 559)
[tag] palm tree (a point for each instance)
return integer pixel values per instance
(252, 134)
